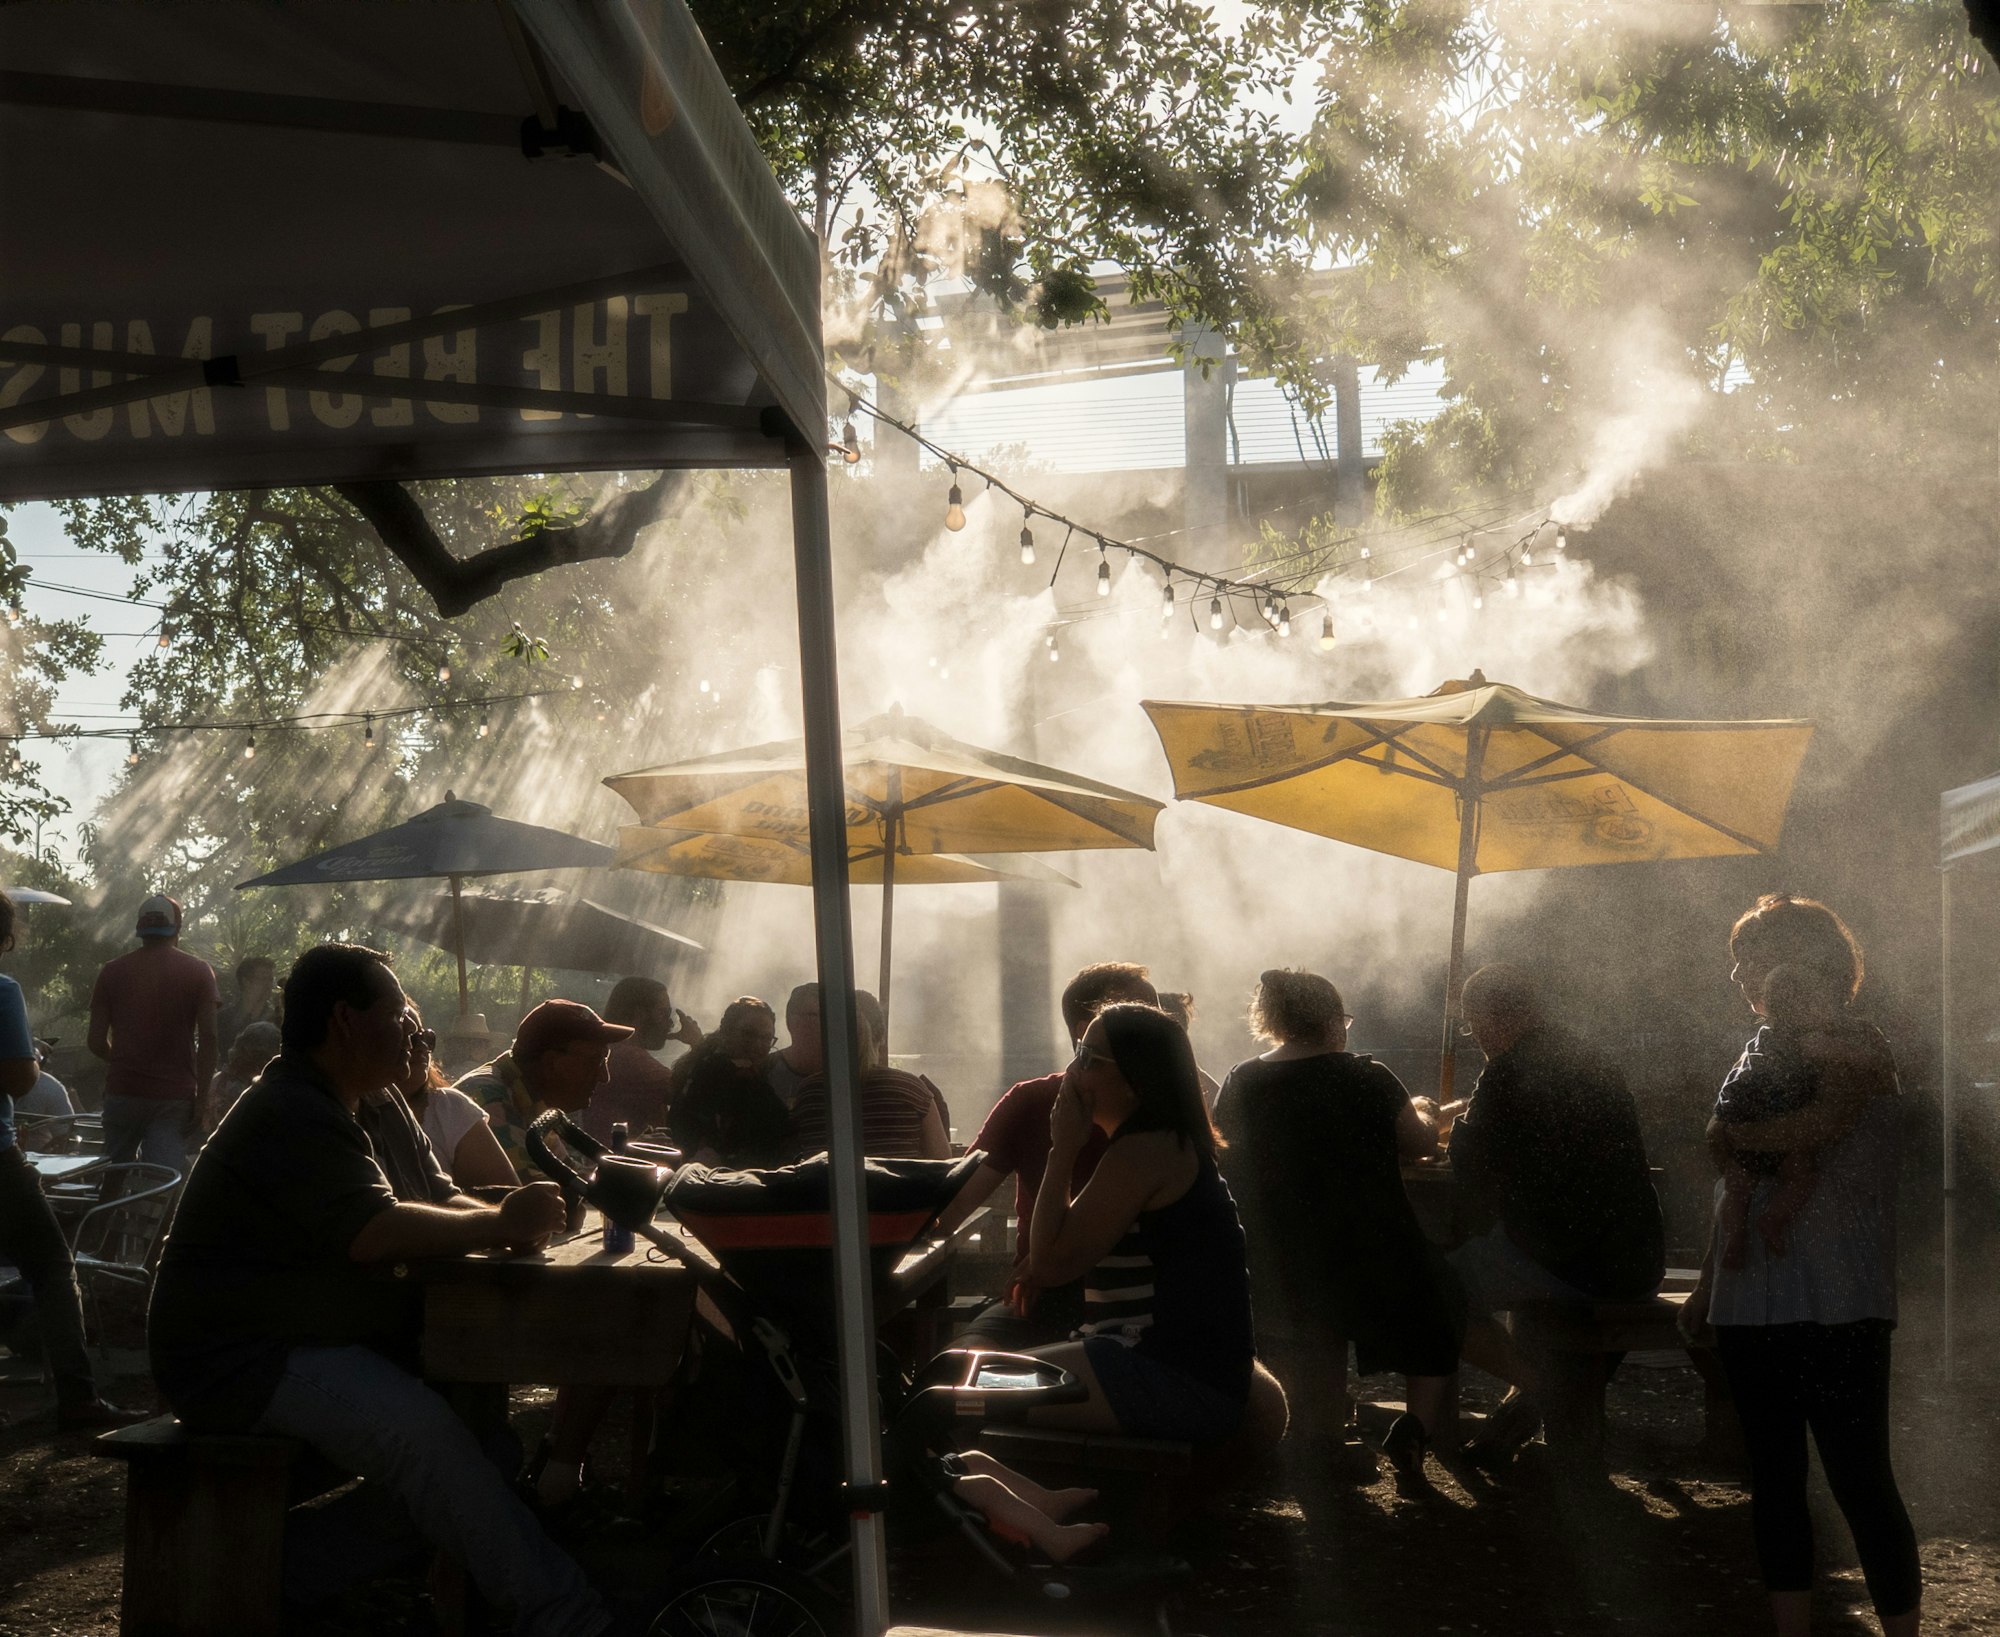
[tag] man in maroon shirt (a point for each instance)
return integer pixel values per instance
(1015, 1140)
(152, 1019)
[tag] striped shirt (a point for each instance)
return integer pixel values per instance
(894, 1108)
(1118, 1292)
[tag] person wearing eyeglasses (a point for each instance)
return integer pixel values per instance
(1317, 1136)
(456, 1126)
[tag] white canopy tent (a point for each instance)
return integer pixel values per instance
(353, 241)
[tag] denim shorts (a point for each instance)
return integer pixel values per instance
(1154, 1400)
(1499, 1276)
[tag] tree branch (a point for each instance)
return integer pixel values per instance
(456, 584)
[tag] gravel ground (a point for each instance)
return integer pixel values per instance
(1660, 1545)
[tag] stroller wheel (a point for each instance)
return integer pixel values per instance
(743, 1538)
(743, 1597)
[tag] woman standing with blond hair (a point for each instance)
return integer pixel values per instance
(1317, 1136)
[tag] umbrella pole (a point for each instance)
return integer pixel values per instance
(892, 826)
(458, 946)
(1468, 859)
(833, 936)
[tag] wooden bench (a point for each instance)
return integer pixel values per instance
(1574, 1347)
(205, 1528)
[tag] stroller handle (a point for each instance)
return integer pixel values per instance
(553, 1165)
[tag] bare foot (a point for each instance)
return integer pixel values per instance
(1064, 1504)
(1062, 1541)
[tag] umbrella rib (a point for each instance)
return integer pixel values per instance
(1354, 753)
(1515, 775)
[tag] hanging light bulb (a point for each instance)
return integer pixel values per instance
(575, 684)
(1215, 613)
(15, 614)
(367, 732)
(1270, 608)
(166, 636)
(954, 505)
(485, 725)
(1471, 548)
(704, 684)
(1460, 559)
(1562, 538)
(1167, 600)
(14, 759)
(1284, 619)
(1326, 630)
(850, 444)
(1027, 540)
(1527, 557)
(444, 671)
(250, 748)
(1103, 572)
(132, 753)
(1478, 600)
(1054, 655)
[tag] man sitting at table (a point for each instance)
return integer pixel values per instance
(560, 1056)
(273, 1312)
(1015, 1140)
(1551, 1179)
(640, 1085)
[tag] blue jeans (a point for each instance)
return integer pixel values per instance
(159, 1130)
(381, 1423)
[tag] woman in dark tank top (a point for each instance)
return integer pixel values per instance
(1168, 1349)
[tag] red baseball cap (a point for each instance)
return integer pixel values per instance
(556, 1024)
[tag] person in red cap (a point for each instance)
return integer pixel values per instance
(152, 1019)
(559, 1057)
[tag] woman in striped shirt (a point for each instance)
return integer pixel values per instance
(1168, 1350)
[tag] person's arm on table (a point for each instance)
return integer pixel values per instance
(978, 1189)
(523, 1220)
(1416, 1129)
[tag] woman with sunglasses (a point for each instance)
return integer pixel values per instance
(460, 1137)
(1167, 1350)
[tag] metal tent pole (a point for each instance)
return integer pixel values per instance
(826, 808)
(1468, 862)
(1947, 1071)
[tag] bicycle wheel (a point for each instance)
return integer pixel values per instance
(751, 1597)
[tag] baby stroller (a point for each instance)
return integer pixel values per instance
(779, 1564)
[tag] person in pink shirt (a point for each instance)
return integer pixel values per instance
(640, 1085)
(152, 1019)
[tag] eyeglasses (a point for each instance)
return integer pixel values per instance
(1087, 1058)
(1347, 1020)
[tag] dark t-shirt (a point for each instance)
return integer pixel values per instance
(153, 999)
(1550, 1146)
(257, 1261)
(1015, 1138)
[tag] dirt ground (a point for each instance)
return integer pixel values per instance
(1661, 1545)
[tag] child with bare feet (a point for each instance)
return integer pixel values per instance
(1803, 1020)
(1022, 1511)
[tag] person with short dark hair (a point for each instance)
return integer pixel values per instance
(724, 1111)
(152, 1020)
(1803, 1320)
(1552, 1185)
(1167, 1348)
(638, 1086)
(1015, 1142)
(559, 1059)
(30, 1237)
(804, 1055)
(255, 999)
(252, 1048)
(267, 1316)
(1317, 1137)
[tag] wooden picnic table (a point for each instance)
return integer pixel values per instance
(577, 1315)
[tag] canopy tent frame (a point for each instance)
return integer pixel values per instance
(658, 115)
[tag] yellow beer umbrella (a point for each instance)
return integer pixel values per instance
(1479, 777)
(912, 791)
(762, 858)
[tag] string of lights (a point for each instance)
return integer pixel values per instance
(1271, 586)
(294, 722)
